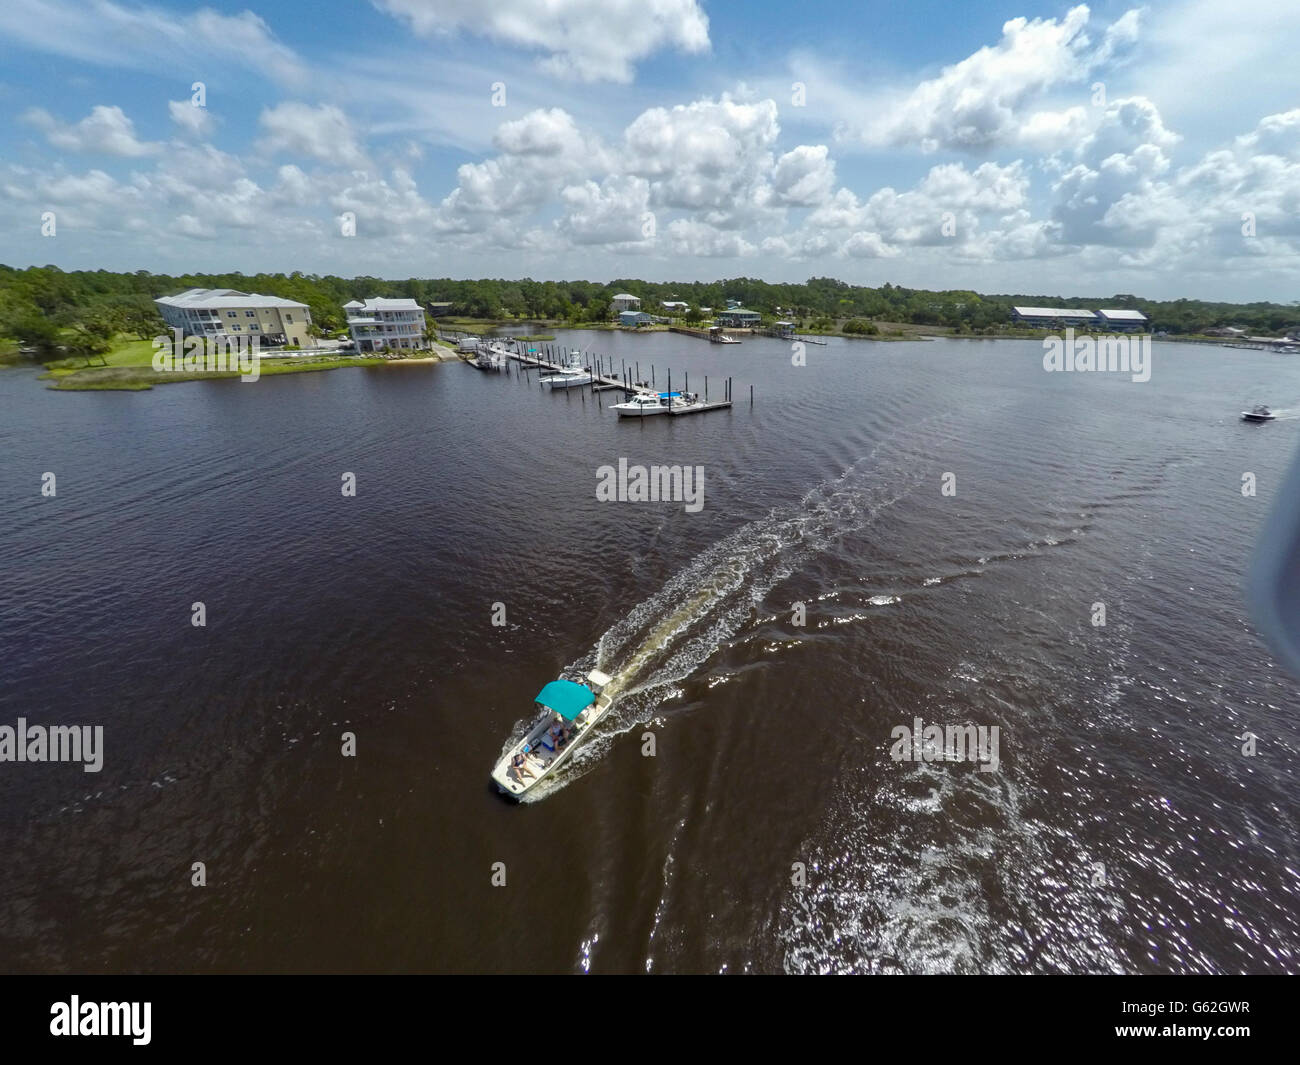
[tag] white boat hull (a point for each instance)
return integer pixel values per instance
(542, 763)
(625, 411)
(567, 380)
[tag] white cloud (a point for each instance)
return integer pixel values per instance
(322, 132)
(105, 131)
(698, 239)
(805, 176)
(981, 101)
(590, 40)
(613, 212)
(155, 39)
(713, 156)
(196, 121)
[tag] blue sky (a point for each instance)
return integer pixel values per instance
(1010, 147)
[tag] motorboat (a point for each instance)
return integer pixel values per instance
(1258, 414)
(567, 712)
(644, 404)
(571, 375)
(492, 359)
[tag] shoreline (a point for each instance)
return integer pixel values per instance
(143, 378)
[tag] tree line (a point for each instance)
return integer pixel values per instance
(81, 310)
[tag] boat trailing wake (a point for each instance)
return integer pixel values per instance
(666, 638)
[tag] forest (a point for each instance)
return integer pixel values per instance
(81, 308)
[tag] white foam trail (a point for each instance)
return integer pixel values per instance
(664, 639)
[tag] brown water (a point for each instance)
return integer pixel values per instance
(1119, 744)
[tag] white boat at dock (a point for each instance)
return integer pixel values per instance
(569, 710)
(572, 375)
(645, 404)
(492, 359)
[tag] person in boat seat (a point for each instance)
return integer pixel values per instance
(520, 763)
(559, 732)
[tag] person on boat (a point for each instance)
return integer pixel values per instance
(559, 732)
(520, 763)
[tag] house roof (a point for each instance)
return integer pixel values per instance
(1123, 315)
(1053, 312)
(224, 297)
(381, 303)
(626, 296)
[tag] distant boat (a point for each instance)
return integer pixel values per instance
(571, 375)
(568, 712)
(1258, 414)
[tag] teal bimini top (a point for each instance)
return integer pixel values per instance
(566, 698)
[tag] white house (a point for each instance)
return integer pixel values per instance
(625, 301)
(380, 323)
(224, 312)
(676, 306)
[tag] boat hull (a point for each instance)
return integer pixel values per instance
(638, 412)
(517, 788)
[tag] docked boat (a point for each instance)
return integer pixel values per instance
(571, 375)
(1258, 414)
(645, 404)
(493, 360)
(567, 712)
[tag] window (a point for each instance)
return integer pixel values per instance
(250, 314)
(289, 318)
(236, 328)
(254, 328)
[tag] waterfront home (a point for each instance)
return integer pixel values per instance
(221, 313)
(625, 301)
(634, 318)
(738, 318)
(380, 323)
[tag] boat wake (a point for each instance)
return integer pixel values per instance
(666, 638)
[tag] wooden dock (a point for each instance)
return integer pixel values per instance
(602, 382)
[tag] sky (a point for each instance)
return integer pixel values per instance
(1016, 147)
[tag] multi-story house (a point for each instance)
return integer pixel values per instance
(380, 323)
(224, 312)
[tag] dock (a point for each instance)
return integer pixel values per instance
(606, 382)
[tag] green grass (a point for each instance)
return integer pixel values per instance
(137, 378)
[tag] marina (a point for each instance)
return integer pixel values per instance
(583, 371)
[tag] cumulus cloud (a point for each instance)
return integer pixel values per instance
(805, 176)
(590, 40)
(710, 155)
(322, 132)
(613, 212)
(196, 121)
(981, 102)
(105, 131)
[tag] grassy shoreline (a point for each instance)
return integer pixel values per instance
(128, 367)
